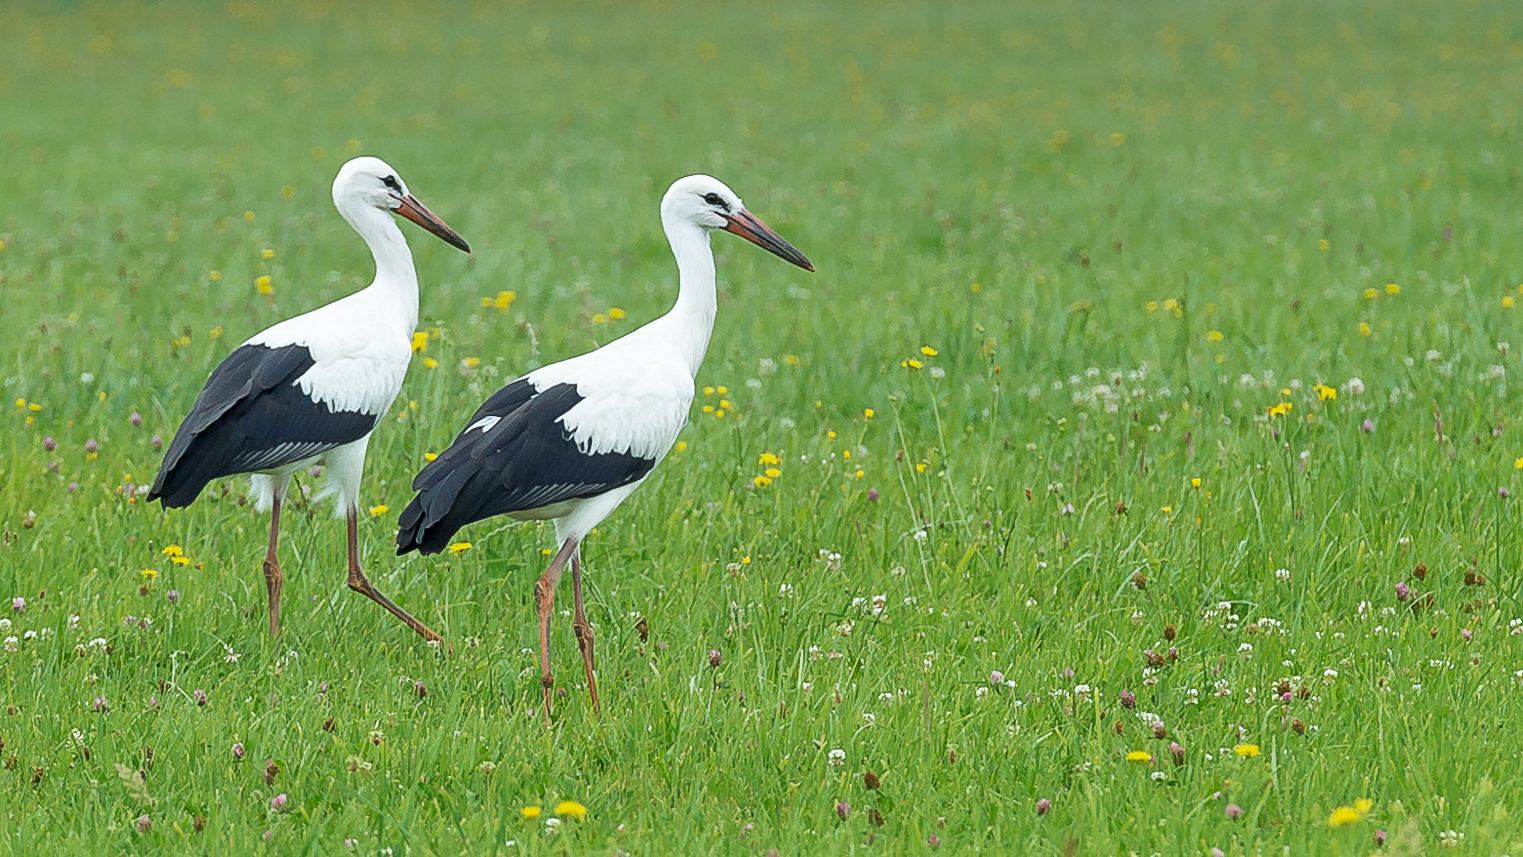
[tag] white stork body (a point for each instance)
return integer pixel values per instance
(571, 441)
(312, 388)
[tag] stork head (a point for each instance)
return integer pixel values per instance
(704, 201)
(372, 182)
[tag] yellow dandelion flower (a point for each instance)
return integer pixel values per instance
(719, 414)
(1343, 815)
(571, 808)
(708, 409)
(529, 812)
(1279, 410)
(860, 473)
(1215, 335)
(928, 351)
(1167, 509)
(745, 560)
(420, 341)
(1393, 289)
(846, 453)
(505, 299)
(1139, 756)
(1152, 306)
(1323, 244)
(1364, 805)
(1195, 483)
(180, 560)
(599, 318)
(176, 550)
(1371, 294)
(831, 435)
(708, 391)
(546, 552)
(1247, 751)
(790, 360)
(721, 389)
(772, 472)
(149, 573)
(379, 509)
(430, 456)
(269, 253)
(1325, 392)
(868, 413)
(615, 313)
(215, 332)
(769, 458)
(920, 467)
(248, 217)
(470, 362)
(459, 548)
(33, 407)
(912, 364)
(682, 446)
(1364, 328)
(761, 481)
(724, 403)
(262, 284)
(430, 363)
(1518, 464)
(1171, 304)
(1507, 302)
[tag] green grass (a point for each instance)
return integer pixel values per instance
(1016, 188)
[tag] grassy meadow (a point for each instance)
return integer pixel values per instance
(1144, 439)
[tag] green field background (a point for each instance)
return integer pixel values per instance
(1270, 246)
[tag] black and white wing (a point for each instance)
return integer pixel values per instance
(253, 415)
(515, 455)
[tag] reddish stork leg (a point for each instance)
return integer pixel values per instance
(583, 631)
(361, 584)
(544, 603)
(272, 575)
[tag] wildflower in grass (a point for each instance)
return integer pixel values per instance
(1343, 815)
(1176, 753)
(996, 677)
(262, 284)
(769, 459)
(571, 809)
(100, 706)
(872, 494)
(843, 810)
(1367, 426)
(419, 689)
(1325, 392)
(1159, 729)
(761, 482)
(271, 771)
(933, 841)
(91, 447)
(1043, 806)
(1503, 493)
(1364, 328)
(928, 351)
(149, 573)
(836, 758)
(1195, 483)
(420, 341)
(1323, 244)
(49, 444)
(136, 419)
(1247, 751)
(1139, 756)
(173, 596)
(238, 751)
(459, 548)
(868, 413)
(1450, 839)
(1279, 410)
(870, 781)
(144, 824)
(278, 802)
(379, 509)
(200, 696)
(1393, 289)
(505, 299)
(1403, 592)
(18, 604)
(715, 658)
(1233, 811)
(1380, 838)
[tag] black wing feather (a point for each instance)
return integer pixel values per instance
(251, 416)
(525, 460)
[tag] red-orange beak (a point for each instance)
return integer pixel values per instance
(745, 224)
(410, 208)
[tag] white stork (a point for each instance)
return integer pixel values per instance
(312, 388)
(570, 441)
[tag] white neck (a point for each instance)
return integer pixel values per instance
(691, 320)
(396, 280)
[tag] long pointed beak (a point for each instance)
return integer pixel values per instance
(410, 208)
(745, 224)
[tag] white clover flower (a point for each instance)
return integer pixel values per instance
(837, 758)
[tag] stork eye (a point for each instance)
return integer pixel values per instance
(713, 199)
(391, 182)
